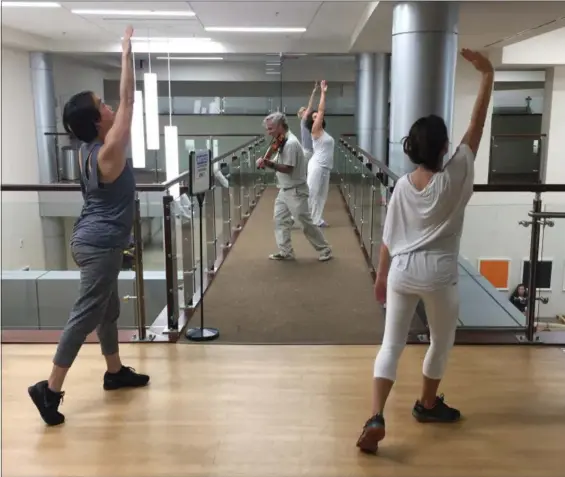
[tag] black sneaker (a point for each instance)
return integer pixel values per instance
(373, 433)
(125, 378)
(441, 412)
(47, 403)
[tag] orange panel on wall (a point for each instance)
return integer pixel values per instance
(495, 271)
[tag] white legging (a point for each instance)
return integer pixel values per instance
(442, 311)
(318, 184)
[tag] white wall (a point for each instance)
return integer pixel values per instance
(467, 81)
(555, 127)
(21, 225)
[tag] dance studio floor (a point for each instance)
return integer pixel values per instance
(284, 411)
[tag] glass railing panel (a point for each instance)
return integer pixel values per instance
(192, 105)
(378, 213)
(218, 144)
(248, 105)
(366, 207)
(490, 269)
(40, 278)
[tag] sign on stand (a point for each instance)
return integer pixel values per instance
(200, 183)
(200, 172)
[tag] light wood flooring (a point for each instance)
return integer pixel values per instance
(284, 411)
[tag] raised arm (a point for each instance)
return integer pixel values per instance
(311, 101)
(319, 121)
(112, 158)
(475, 131)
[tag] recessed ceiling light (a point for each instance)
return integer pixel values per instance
(256, 29)
(136, 13)
(31, 4)
(163, 38)
(189, 58)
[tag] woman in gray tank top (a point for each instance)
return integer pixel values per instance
(322, 161)
(100, 235)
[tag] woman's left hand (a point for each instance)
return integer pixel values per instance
(324, 85)
(380, 289)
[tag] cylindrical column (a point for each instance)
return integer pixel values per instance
(381, 94)
(45, 118)
(424, 55)
(44, 102)
(364, 110)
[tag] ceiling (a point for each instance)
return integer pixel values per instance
(331, 26)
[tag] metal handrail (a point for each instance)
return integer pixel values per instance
(56, 187)
(379, 164)
(180, 135)
(185, 175)
(158, 187)
(547, 215)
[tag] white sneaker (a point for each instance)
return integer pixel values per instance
(326, 255)
(281, 256)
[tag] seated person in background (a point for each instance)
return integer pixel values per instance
(519, 298)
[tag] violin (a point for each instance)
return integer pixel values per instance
(277, 145)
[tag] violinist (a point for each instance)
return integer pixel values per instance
(286, 157)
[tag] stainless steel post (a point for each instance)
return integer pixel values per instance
(209, 216)
(140, 316)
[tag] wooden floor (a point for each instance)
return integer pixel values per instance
(284, 411)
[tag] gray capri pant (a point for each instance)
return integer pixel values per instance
(98, 305)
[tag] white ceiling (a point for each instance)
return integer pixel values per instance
(332, 26)
(482, 24)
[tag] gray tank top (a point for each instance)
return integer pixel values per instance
(107, 215)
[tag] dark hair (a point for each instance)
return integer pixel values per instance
(81, 116)
(426, 141)
(310, 121)
(515, 292)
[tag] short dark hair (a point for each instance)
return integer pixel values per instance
(81, 116)
(426, 141)
(310, 121)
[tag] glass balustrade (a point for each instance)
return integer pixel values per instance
(160, 279)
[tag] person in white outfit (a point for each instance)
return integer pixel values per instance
(418, 256)
(292, 199)
(305, 133)
(322, 162)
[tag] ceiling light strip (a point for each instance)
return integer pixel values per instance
(138, 13)
(31, 4)
(191, 58)
(256, 29)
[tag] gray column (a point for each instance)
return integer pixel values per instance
(45, 115)
(43, 87)
(381, 97)
(424, 56)
(365, 100)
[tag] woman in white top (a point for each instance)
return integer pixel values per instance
(418, 256)
(322, 161)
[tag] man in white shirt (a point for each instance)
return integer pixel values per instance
(292, 201)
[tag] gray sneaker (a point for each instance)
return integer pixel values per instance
(326, 255)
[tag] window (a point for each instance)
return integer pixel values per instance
(543, 278)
